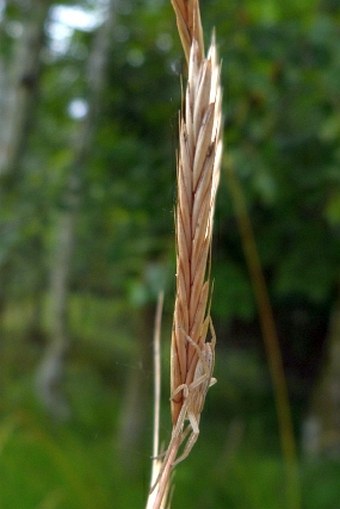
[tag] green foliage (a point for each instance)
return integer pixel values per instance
(280, 73)
(77, 467)
(236, 462)
(232, 292)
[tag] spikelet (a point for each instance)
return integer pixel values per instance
(198, 173)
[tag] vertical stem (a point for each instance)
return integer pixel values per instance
(156, 461)
(157, 371)
(271, 342)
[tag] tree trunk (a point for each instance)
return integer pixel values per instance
(321, 433)
(22, 93)
(19, 90)
(50, 373)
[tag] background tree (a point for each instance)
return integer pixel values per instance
(50, 372)
(21, 63)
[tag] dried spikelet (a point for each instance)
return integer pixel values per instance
(198, 173)
(189, 25)
(200, 149)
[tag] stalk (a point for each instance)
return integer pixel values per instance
(198, 174)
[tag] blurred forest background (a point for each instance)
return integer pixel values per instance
(89, 95)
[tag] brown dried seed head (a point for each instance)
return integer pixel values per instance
(199, 158)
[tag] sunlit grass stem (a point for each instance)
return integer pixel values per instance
(198, 172)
